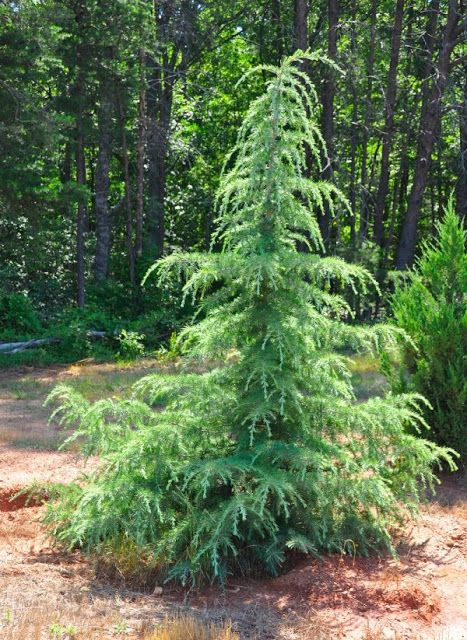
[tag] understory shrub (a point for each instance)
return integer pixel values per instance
(265, 452)
(431, 306)
(130, 344)
(18, 318)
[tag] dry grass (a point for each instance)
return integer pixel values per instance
(188, 628)
(24, 421)
(68, 623)
(367, 378)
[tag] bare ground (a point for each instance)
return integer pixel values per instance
(422, 595)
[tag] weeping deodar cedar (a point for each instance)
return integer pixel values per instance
(268, 452)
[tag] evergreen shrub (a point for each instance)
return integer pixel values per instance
(431, 306)
(18, 318)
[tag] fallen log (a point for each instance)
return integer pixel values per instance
(17, 347)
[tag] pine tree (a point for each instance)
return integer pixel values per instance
(268, 451)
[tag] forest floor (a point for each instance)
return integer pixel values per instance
(421, 595)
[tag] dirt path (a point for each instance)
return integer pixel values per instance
(422, 595)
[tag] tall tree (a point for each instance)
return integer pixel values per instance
(328, 95)
(429, 123)
(300, 30)
(79, 92)
(461, 185)
(364, 211)
(183, 30)
(130, 247)
(102, 179)
(269, 452)
(388, 132)
(140, 154)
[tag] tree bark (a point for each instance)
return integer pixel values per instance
(102, 183)
(126, 178)
(429, 120)
(276, 15)
(159, 102)
(354, 132)
(461, 186)
(364, 212)
(329, 91)
(300, 30)
(140, 152)
(79, 93)
(390, 102)
(81, 214)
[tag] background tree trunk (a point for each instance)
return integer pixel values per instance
(329, 90)
(429, 123)
(390, 102)
(353, 124)
(364, 212)
(300, 30)
(126, 178)
(101, 182)
(159, 102)
(81, 214)
(461, 186)
(80, 158)
(140, 152)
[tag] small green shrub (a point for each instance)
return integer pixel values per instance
(18, 318)
(130, 344)
(73, 331)
(431, 306)
(268, 453)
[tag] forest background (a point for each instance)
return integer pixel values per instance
(115, 118)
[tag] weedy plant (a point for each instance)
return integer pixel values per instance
(268, 452)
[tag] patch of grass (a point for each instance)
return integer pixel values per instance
(45, 443)
(367, 379)
(25, 387)
(96, 381)
(41, 623)
(32, 358)
(80, 621)
(188, 628)
(23, 421)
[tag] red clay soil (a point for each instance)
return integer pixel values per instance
(19, 468)
(422, 594)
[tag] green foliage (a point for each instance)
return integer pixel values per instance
(131, 344)
(267, 452)
(432, 307)
(17, 316)
(75, 342)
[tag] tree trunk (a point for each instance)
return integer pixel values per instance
(461, 186)
(126, 177)
(79, 93)
(428, 126)
(276, 15)
(140, 149)
(329, 91)
(81, 214)
(354, 132)
(390, 101)
(102, 182)
(300, 30)
(364, 213)
(159, 102)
